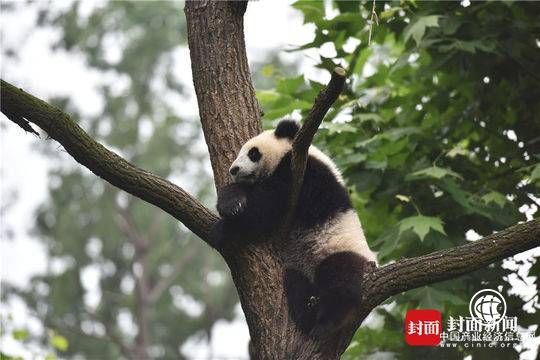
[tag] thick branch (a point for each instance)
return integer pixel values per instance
(442, 265)
(305, 135)
(17, 104)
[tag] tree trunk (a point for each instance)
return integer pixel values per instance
(229, 111)
(230, 115)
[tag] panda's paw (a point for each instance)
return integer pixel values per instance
(312, 303)
(232, 200)
(232, 207)
(237, 208)
(231, 203)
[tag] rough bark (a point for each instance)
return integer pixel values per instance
(446, 264)
(229, 111)
(230, 115)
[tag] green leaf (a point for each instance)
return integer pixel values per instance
(377, 161)
(418, 28)
(495, 197)
(376, 118)
(429, 297)
(387, 14)
(421, 225)
(20, 334)
(459, 149)
(355, 158)
(334, 128)
(393, 134)
(276, 105)
(464, 198)
(388, 242)
(361, 57)
(469, 46)
(290, 86)
(313, 10)
(535, 174)
(59, 342)
(434, 172)
(450, 24)
(267, 70)
(267, 96)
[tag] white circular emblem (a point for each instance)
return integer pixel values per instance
(487, 307)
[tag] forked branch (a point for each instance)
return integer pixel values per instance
(305, 135)
(22, 108)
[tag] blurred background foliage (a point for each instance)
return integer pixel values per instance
(154, 283)
(437, 134)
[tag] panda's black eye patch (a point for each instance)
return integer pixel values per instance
(254, 154)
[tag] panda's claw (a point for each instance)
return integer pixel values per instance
(233, 208)
(238, 207)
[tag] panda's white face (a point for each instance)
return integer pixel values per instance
(259, 157)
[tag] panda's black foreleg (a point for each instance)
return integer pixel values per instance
(219, 234)
(338, 279)
(231, 205)
(232, 200)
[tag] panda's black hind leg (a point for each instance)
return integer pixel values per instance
(301, 298)
(338, 279)
(218, 234)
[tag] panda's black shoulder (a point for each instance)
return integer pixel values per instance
(323, 196)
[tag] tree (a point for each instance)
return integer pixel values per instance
(226, 96)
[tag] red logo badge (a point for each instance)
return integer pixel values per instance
(423, 327)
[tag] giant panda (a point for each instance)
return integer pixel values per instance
(325, 254)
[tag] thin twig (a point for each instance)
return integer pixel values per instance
(305, 135)
(373, 16)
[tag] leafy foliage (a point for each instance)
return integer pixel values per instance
(436, 134)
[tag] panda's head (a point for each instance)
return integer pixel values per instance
(260, 156)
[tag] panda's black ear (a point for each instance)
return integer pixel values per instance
(287, 129)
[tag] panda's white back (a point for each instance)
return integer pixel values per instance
(341, 233)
